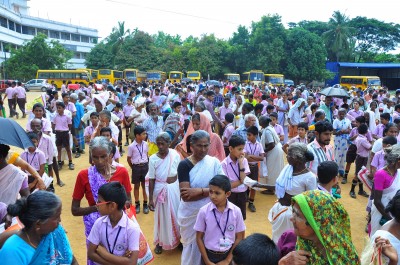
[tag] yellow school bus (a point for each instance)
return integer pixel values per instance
(175, 76)
(194, 75)
(232, 77)
(110, 76)
(156, 76)
(93, 73)
(360, 82)
(275, 79)
(135, 75)
(254, 76)
(58, 76)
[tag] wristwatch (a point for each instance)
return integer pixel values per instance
(241, 169)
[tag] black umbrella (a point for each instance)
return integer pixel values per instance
(336, 92)
(13, 134)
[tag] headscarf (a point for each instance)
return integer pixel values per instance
(216, 146)
(372, 122)
(284, 181)
(102, 98)
(296, 107)
(331, 223)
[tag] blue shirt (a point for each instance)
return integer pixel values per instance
(80, 111)
(153, 129)
(16, 251)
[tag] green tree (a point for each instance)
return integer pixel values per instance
(306, 56)
(100, 57)
(266, 46)
(238, 47)
(34, 55)
(338, 36)
(373, 36)
(317, 27)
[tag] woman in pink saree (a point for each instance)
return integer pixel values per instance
(200, 122)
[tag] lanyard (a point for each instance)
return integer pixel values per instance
(115, 242)
(226, 223)
(30, 163)
(251, 151)
(237, 175)
(140, 152)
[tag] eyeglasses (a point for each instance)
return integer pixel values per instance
(101, 203)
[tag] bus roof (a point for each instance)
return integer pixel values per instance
(176, 72)
(66, 70)
(231, 74)
(358, 76)
(274, 74)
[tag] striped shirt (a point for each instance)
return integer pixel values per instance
(320, 155)
(153, 129)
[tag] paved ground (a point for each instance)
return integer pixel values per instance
(256, 222)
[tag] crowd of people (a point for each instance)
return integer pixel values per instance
(197, 154)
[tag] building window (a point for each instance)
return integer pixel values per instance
(54, 34)
(83, 55)
(75, 37)
(84, 39)
(11, 25)
(43, 31)
(93, 40)
(18, 28)
(77, 55)
(6, 47)
(65, 36)
(3, 22)
(28, 30)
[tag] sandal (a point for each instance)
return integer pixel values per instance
(158, 250)
(268, 192)
(71, 166)
(61, 184)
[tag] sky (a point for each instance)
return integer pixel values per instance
(195, 18)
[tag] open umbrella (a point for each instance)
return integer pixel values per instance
(336, 92)
(213, 83)
(13, 134)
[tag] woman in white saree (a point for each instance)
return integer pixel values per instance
(164, 194)
(194, 174)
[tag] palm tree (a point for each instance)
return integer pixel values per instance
(117, 37)
(337, 38)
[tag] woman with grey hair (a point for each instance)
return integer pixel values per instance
(295, 178)
(194, 174)
(42, 239)
(164, 194)
(386, 184)
(90, 180)
(200, 107)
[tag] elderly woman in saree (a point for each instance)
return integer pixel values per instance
(89, 181)
(295, 116)
(200, 122)
(273, 162)
(164, 194)
(294, 179)
(322, 226)
(194, 174)
(386, 184)
(43, 239)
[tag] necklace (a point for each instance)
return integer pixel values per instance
(29, 240)
(191, 158)
(387, 169)
(298, 173)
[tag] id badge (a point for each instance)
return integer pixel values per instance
(225, 243)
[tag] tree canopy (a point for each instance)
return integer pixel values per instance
(34, 55)
(299, 51)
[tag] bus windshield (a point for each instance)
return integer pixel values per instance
(153, 76)
(374, 82)
(276, 80)
(233, 77)
(256, 76)
(130, 74)
(175, 75)
(192, 75)
(105, 72)
(117, 74)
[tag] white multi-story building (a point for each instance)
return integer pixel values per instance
(17, 27)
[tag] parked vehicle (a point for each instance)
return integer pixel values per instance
(289, 82)
(37, 84)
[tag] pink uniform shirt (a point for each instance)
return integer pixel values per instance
(138, 152)
(35, 159)
(278, 129)
(229, 129)
(127, 110)
(253, 149)
(379, 160)
(10, 91)
(62, 122)
(125, 234)
(363, 146)
(207, 223)
(46, 146)
(231, 170)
